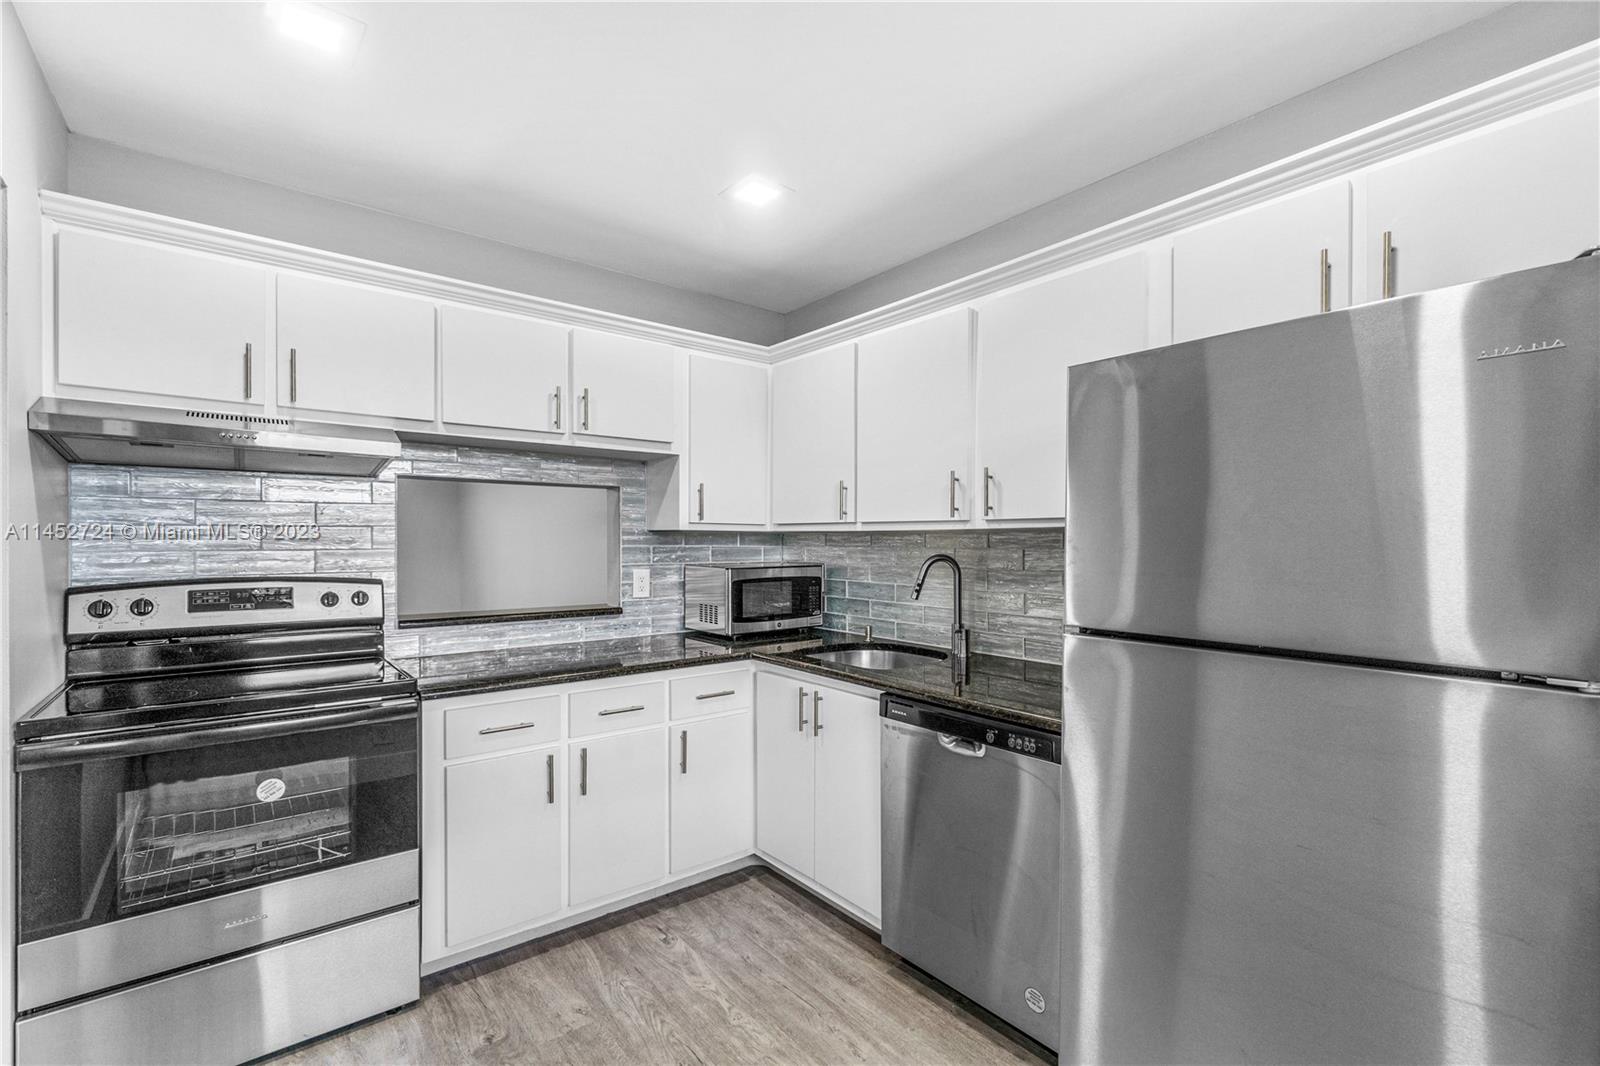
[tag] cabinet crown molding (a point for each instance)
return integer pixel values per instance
(1560, 78)
(114, 219)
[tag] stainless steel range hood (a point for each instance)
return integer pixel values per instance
(90, 431)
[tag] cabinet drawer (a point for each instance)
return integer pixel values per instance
(606, 710)
(709, 693)
(518, 722)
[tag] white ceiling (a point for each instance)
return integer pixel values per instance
(604, 132)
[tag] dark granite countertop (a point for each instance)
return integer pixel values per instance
(1027, 693)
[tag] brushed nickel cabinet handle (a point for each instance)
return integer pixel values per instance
(486, 730)
(700, 509)
(988, 480)
(715, 695)
(1388, 264)
(816, 713)
(954, 481)
(294, 376)
(550, 778)
(1325, 284)
(622, 710)
(802, 708)
(583, 771)
(683, 758)
(247, 371)
(585, 401)
(558, 407)
(844, 500)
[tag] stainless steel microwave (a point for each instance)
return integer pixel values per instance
(738, 599)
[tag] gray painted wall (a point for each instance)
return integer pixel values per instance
(108, 172)
(1013, 585)
(1474, 53)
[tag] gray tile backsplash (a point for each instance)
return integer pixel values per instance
(1013, 583)
(171, 511)
(1013, 578)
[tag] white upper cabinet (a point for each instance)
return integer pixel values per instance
(1518, 195)
(144, 318)
(1285, 259)
(727, 441)
(502, 371)
(623, 387)
(1026, 341)
(814, 437)
(914, 421)
(354, 350)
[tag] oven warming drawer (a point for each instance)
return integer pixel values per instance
(104, 956)
(242, 1008)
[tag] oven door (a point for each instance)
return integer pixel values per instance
(143, 852)
(773, 599)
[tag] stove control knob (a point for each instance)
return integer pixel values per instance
(141, 607)
(359, 598)
(330, 599)
(101, 609)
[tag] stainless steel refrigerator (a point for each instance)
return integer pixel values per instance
(1331, 749)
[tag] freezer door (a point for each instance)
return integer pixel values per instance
(1416, 480)
(1276, 860)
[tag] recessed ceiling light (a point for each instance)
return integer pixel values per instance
(316, 26)
(755, 190)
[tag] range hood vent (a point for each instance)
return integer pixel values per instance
(90, 431)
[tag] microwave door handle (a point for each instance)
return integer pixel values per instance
(72, 749)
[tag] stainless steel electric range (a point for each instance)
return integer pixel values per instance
(216, 824)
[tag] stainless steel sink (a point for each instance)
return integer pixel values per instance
(878, 658)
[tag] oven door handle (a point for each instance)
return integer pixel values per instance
(67, 749)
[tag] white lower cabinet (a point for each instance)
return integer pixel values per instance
(712, 790)
(817, 781)
(786, 776)
(617, 831)
(502, 841)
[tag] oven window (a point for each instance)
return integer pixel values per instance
(114, 837)
(774, 598)
(185, 838)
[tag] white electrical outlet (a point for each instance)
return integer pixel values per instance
(641, 583)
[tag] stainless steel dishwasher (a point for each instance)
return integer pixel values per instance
(971, 857)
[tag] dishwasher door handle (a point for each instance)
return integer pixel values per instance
(970, 749)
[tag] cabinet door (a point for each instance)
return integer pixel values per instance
(849, 851)
(617, 831)
(1262, 265)
(1026, 341)
(1515, 196)
(143, 318)
(914, 421)
(727, 441)
(502, 845)
(785, 773)
(713, 780)
(353, 350)
(502, 371)
(622, 387)
(814, 437)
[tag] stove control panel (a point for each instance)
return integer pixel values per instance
(246, 603)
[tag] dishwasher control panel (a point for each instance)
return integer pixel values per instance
(973, 728)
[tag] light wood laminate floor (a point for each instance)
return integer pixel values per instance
(746, 968)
